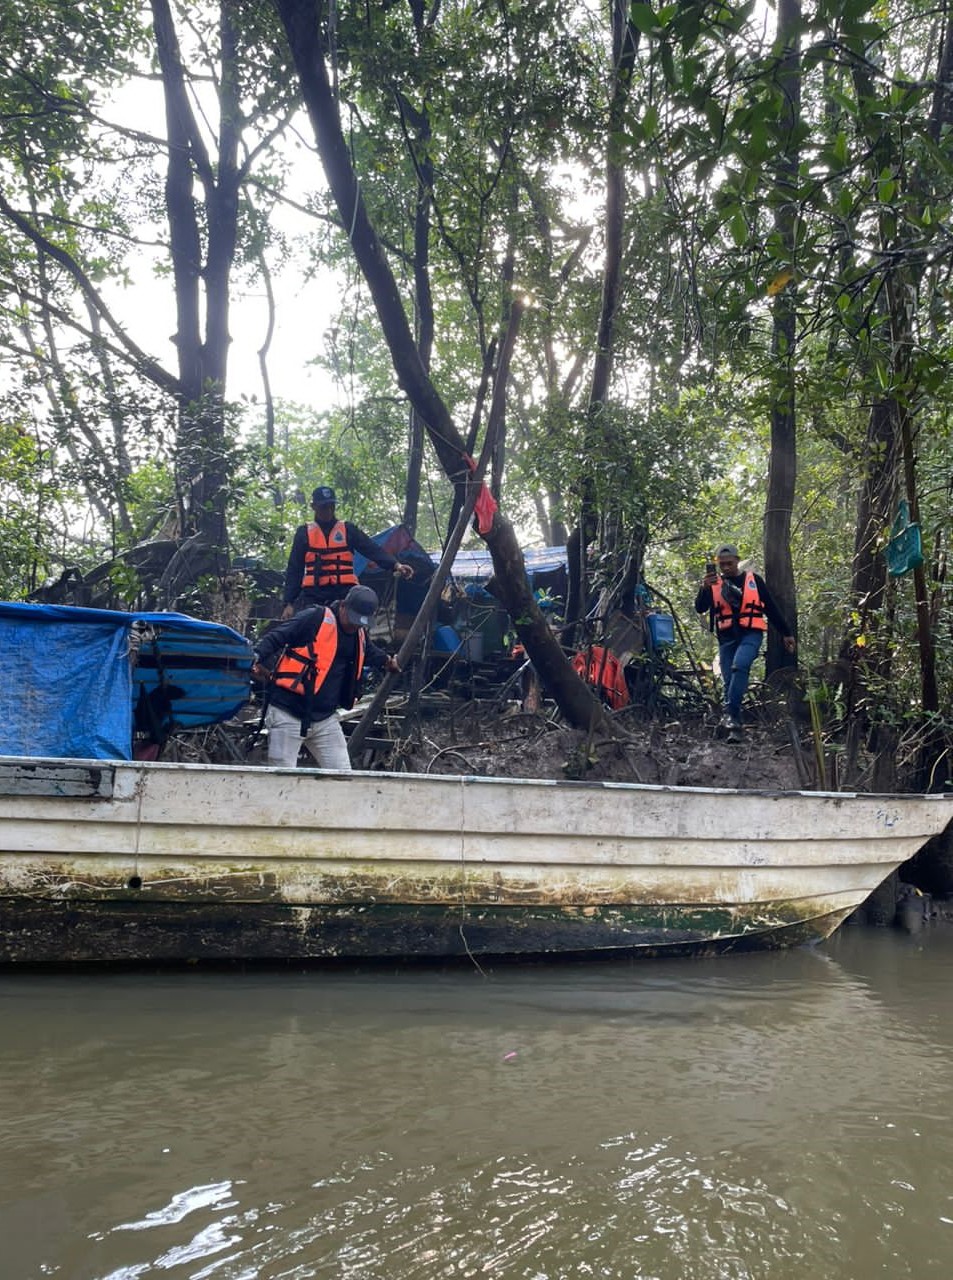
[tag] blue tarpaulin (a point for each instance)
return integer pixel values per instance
(70, 687)
(477, 565)
(546, 570)
(399, 542)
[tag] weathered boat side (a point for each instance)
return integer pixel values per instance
(132, 931)
(126, 861)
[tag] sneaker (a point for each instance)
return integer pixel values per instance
(733, 734)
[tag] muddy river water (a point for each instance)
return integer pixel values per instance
(775, 1116)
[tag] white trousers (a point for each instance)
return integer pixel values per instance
(325, 741)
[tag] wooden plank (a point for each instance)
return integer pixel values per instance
(75, 781)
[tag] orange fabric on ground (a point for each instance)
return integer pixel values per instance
(599, 666)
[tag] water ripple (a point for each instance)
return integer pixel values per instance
(783, 1116)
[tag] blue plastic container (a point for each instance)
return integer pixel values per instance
(446, 640)
(661, 628)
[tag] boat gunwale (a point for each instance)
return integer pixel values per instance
(469, 779)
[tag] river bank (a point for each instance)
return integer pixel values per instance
(687, 752)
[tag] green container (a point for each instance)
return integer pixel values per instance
(905, 548)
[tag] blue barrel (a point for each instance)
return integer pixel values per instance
(661, 628)
(446, 640)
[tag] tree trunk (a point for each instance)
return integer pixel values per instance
(186, 251)
(903, 282)
(202, 360)
(874, 510)
(473, 431)
(423, 295)
(625, 43)
(782, 467)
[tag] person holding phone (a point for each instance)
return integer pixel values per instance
(740, 606)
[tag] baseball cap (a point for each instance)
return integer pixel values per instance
(359, 605)
(323, 493)
(727, 549)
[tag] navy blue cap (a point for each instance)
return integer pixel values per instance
(360, 604)
(323, 493)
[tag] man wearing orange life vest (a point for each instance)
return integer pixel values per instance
(321, 563)
(321, 655)
(741, 607)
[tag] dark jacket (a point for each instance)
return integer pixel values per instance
(704, 602)
(338, 688)
(357, 541)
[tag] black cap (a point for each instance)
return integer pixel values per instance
(323, 493)
(360, 604)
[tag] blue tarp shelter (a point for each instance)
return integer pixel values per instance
(479, 621)
(69, 685)
(474, 566)
(400, 543)
(477, 565)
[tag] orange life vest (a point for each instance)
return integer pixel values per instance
(303, 670)
(750, 613)
(328, 561)
(600, 668)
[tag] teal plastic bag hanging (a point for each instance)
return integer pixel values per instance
(905, 546)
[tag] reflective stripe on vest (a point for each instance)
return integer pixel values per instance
(304, 669)
(328, 561)
(751, 612)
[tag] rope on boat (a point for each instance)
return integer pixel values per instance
(140, 791)
(463, 880)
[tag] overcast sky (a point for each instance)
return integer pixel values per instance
(304, 308)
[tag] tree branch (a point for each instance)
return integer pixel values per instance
(146, 365)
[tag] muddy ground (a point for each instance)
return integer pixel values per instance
(674, 752)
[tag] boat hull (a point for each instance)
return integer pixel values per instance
(138, 932)
(133, 862)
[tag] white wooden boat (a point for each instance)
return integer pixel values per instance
(132, 861)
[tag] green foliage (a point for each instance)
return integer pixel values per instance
(273, 489)
(124, 581)
(22, 518)
(494, 121)
(149, 493)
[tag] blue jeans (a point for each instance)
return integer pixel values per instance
(735, 658)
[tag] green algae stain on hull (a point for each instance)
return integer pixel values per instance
(139, 931)
(62, 909)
